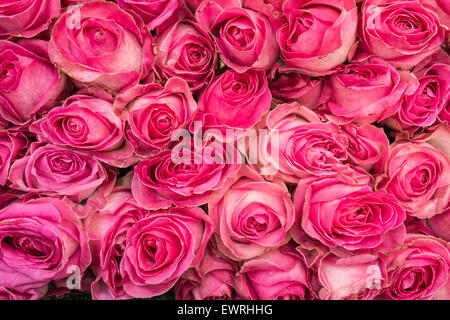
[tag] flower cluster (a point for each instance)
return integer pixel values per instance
(225, 149)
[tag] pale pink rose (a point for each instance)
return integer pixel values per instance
(152, 12)
(213, 279)
(86, 123)
(142, 254)
(101, 45)
(40, 240)
(27, 18)
(418, 175)
(401, 32)
(250, 215)
(356, 277)
(367, 91)
(418, 269)
(318, 34)
(21, 96)
(155, 116)
(187, 51)
(245, 38)
(298, 144)
(348, 215)
(440, 224)
(288, 85)
(54, 170)
(279, 274)
(12, 146)
(164, 180)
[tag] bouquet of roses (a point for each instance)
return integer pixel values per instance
(225, 149)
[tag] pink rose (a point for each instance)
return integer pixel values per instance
(155, 116)
(279, 274)
(244, 37)
(365, 92)
(288, 85)
(401, 32)
(21, 96)
(271, 8)
(418, 175)
(187, 51)
(99, 44)
(12, 146)
(298, 145)
(440, 224)
(39, 240)
(347, 215)
(86, 123)
(27, 18)
(53, 170)
(142, 254)
(164, 180)
(22, 294)
(356, 277)
(318, 34)
(418, 269)
(152, 12)
(250, 215)
(213, 279)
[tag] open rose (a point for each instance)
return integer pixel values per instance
(347, 215)
(39, 240)
(21, 96)
(276, 275)
(244, 37)
(142, 254)
(401, 32)
(12, 145)
(418, 269)
(99, 44)
(250, 215)
(318, 34)
(55, 170)
(418, 175)
(367, 91)
(27, 18)
(165, 179)
(186, 50)
(86, 123)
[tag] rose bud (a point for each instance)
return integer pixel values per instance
(401, 32)
(318, 34)
(101, 45)
(250, 215)
(279, 274)
(21, 96)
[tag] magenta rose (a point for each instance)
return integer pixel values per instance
(142, 254)
(156, 116)
(279, 274)
(288, 85)
(54, 170)
(40, 241)
(22, 293)
(250, 215)
(167, 179)
(152, 12)
(21, 96)
(27, 18)
(401, 32)
(367, 91)
(347, 215)
(213, 279)
(318, 34)
(186, 50)
(88, 124)
(418, 269)
(244, 37)
(12, 146)
(418, 175)
(357, 277)
(99, 44)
